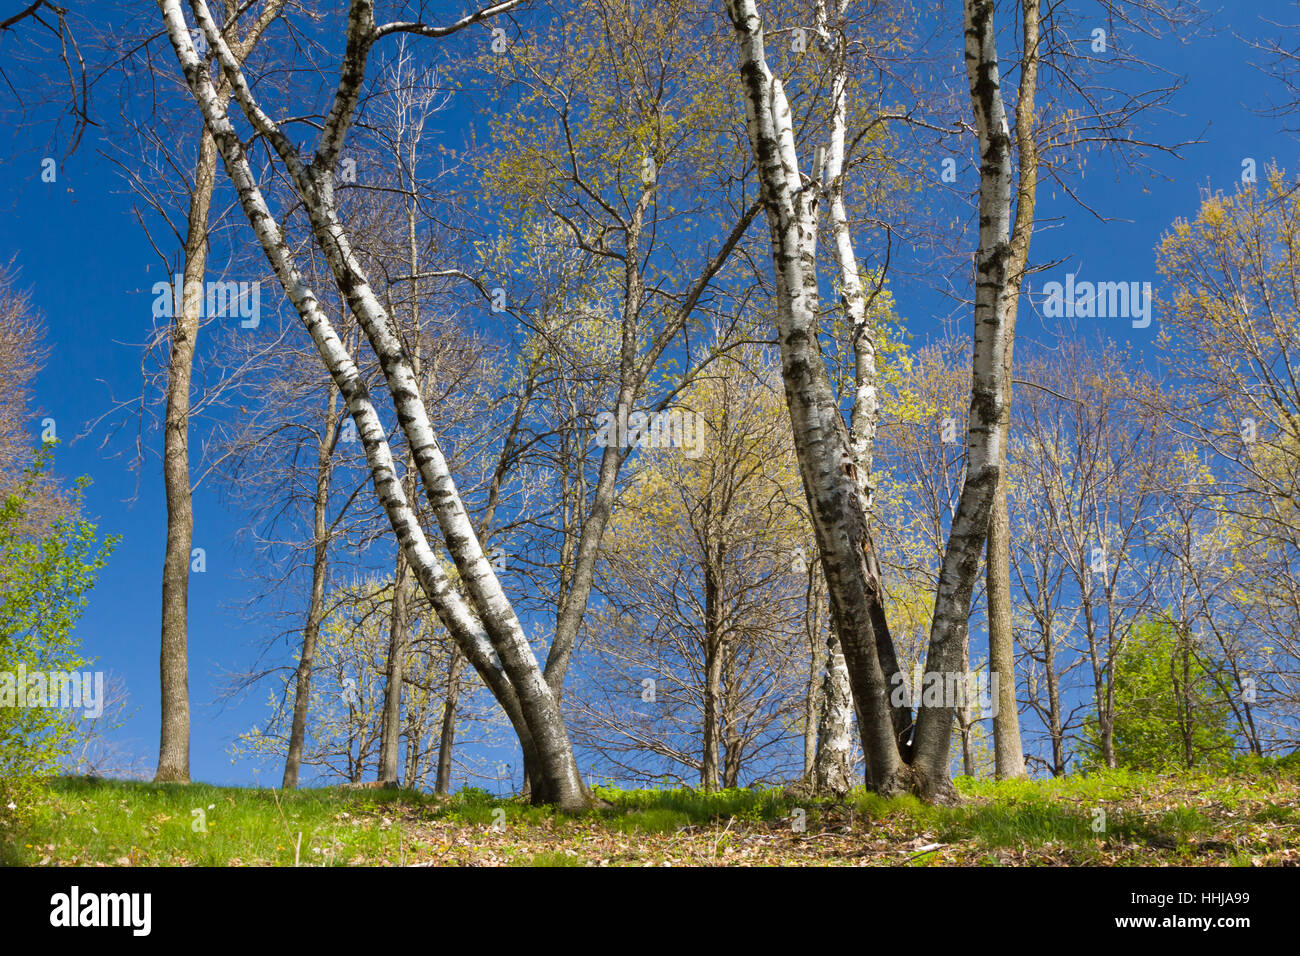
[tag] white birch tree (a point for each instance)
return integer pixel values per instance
(490, 631)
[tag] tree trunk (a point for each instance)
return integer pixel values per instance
(391, 731)
(1008, 748)
(964, 723)
(834, 767)
(820, 437)
(822, 442)
(733, 747)
(1108, 741)
(970, 522)
(834, 747)
(174, 735)
(1183, 690)
(1099, 674)
(174, 742)
(415, 751)
(517, 680)
(1054, 718)
(1008, 751)
(316, 610)
(812, 705)
(712, 694)
(1109, 738)
(812, 709)
(448, 737)
(537, 703)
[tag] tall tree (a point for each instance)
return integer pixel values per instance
(612, 147)
(174, 731)
(704, 601)
(821, 440)
(494, 631)
(899, 757)
(1008, 749)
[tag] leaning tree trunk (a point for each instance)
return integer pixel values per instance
(316, 610)
(451, 608)
(513, 674)
(504, 630)
(174, 743)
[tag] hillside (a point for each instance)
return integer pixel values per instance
(1251, 819)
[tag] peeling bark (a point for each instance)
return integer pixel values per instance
(834, 767)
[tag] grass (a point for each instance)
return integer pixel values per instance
(1252, 817)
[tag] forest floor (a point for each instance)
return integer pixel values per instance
(1113, 818)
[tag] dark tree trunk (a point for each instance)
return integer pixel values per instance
(447, 739)
(316, 609)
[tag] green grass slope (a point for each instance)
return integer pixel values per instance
(1116, 818)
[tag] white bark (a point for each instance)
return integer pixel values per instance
(836, 492)
(520, 689)
(984, 459)
(826, 461)
(315, 186)
(834, 767)
(865, 413)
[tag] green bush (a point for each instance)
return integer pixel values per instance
(1166, 703)
(45, 577)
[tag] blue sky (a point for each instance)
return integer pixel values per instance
(89, 267)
